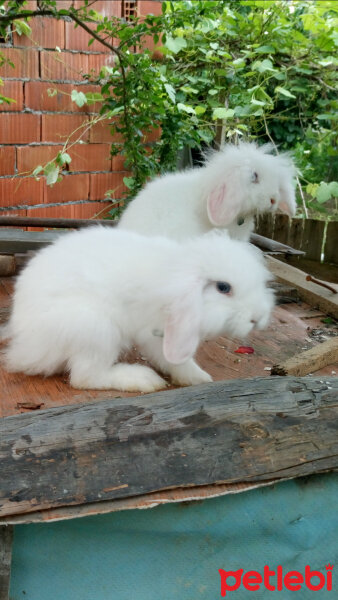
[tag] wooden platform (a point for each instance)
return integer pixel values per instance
(290, 331)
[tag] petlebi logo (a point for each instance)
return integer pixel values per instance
(276, 580)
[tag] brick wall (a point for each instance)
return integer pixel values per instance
(33, 129)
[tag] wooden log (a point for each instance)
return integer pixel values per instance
(309, 361)
(248, 430)
(331, 243)
(6, 540)
(310, 292)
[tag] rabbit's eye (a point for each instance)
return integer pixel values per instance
(254, 177)
(223, 287)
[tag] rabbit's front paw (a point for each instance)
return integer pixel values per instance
(189, 374)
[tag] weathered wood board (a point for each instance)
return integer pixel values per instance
(224, 432)
(315, 295)
(310, 360)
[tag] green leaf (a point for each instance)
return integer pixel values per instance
(51, 172)
(129, 182)
(51, 92)
(37, 170)
(222, 113)
(200, 109)
(22, 28)
(323, 193)
(284, 92)
(333, 187)
(262, 66)
(175, 44)
(170, 91)
(265, 50)
(186, 108)
(79, 98)
(93, 97)
(63, 158)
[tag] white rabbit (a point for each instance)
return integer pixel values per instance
(235, 184)
(95, 293)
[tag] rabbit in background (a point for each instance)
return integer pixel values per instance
(94, 293)
(235, 184)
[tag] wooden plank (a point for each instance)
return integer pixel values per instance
(273, 246)
(226, 432)
(16, 241)
(9, 221)
(6, 540)
(264, 225)
(296, 233)
(312, 240)
(316, 296)
(309, 361)
(331, 243)
(281, 229)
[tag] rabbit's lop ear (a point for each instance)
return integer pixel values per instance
(223, 205)
(182, 326)
(287, 203)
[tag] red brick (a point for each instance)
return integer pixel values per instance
(118, 163)
(105, 7)
(71, 188)
(70, 211)
(12, 89)
(100, 183)
(90, 157)
(14, 213)
(57, 128)
(64, 4)
(37, 98)
(101, 132)
(7, 160)
(96, 62)
(149, 7)
(152, 136)
(26, 63)
(47, 32)
(29, 157)
(63, 66)
(21, 190)
(77, 38)
(19, 128)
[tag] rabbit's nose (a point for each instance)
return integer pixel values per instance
(253, 321)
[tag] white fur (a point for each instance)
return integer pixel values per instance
(95, 293)
(189, 203)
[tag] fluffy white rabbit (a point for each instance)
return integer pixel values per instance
(235, 184)
(95, 293)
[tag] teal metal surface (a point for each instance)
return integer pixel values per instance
(175, 551)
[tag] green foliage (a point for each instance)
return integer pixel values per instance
(223, 70)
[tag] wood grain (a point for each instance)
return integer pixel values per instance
(309, 361)
(6, 541)
(225, 432)
(315, 295)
